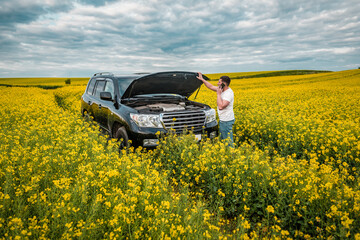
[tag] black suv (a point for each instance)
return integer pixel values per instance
(141, 106)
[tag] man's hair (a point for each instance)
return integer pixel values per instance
(226, 80)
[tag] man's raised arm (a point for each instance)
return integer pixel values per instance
(206, 83)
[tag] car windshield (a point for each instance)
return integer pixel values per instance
(124, 84)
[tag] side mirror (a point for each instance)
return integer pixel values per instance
(106, 96)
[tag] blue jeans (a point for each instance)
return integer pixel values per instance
(225, 129)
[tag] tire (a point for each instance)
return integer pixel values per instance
(122, 136)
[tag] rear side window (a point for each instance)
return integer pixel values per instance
(90, 88)
(99, 88)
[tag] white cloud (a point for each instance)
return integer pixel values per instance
(72, 36)
(343, 50)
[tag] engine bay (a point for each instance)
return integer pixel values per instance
(166, 106)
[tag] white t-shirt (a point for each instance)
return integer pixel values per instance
(227, 114)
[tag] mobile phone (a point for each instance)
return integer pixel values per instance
(222, 85)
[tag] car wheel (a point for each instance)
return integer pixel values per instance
(122, 137)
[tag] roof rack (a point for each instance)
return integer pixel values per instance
(103, 73)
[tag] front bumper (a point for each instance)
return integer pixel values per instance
(149, 137)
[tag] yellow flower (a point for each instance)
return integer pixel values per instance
(246, 224)
(270, 209)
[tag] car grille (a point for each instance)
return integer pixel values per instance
(180, 121)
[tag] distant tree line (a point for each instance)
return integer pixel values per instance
(283, 73)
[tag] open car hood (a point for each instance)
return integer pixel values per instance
(182, 83)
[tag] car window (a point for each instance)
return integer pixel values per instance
(124, 84)
(90, 88)
(109, 87)
(99, 88)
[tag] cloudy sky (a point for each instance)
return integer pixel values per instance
(76, 38)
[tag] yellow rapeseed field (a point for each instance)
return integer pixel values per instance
(292, 175)
(42, 82)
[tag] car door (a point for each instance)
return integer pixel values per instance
(87, 97)
(97, 103)
(107, 105)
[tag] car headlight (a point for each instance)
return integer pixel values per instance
(146, 120)
(210, 115)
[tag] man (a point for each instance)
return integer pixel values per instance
(225, 102)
